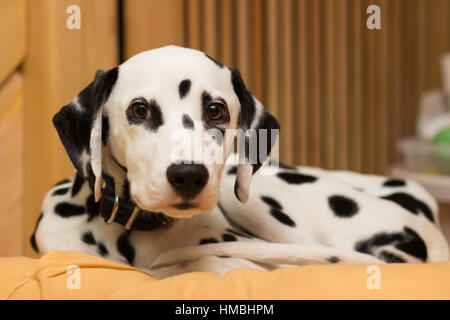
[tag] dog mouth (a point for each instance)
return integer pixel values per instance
(185, 206)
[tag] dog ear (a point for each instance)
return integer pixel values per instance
(79, 126)
(257, 135)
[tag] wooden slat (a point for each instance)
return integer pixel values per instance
(301, 107)
(355, 83)
(193, 25)
(287, 91)
(256, 39)
(210, 27)
(315, 52)
(12, 35)
(396, 52)
(226, 43)
(271, 56)
(60, 62)
(340, 33)
(243, 40)
(328, 115)
(150, 24)
(383, 82)
(11, 170)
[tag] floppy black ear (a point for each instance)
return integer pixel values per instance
(79, 126)
(259, 130)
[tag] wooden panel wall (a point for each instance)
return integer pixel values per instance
(12, 52)
(12, 162)
(343, 94)
(60, 62)
(12, 35)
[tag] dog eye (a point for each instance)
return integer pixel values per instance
(215, 111)
(140, 110)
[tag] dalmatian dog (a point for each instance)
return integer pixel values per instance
(133, 201)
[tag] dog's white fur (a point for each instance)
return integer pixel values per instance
(317, 236)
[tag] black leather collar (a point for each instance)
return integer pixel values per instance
(143, 220)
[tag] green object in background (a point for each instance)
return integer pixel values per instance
(442, 136)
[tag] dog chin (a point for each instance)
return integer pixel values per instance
(182, 211)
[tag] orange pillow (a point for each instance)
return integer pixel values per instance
(97, 278)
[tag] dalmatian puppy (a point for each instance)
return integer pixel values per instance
(134, 200)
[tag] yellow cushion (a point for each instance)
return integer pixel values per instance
(47, 278)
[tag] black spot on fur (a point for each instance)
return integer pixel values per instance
(296, 178)
(88, 238)
(208, 240)
(60, 192)
(125, 248)
(394, 183)
(411, 204)
(66, 209)
(239, 233)
(236, 187)
(102, 249)
(62, 182)
(391, 257)
(228, 237)
(342, 206)
(77, 184)
(105, 129)
(233, 170)
(33, 235)
(282, 217)
(407, 240)
(219, 64)
(184, 88)
(333, 259)
(271, 202)
(92, 207)
(187, 122)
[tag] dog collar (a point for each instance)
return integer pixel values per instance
(128, 214)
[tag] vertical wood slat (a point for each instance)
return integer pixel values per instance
(396, 52)
(59, 64)
(328, 114)
(271, 58)
(315, 72)
(340, 87)
(243, 39)
(383, 82)
(150, 24)
(256, 38)
(286, 90)
(11, 171)
(12, 36)
(301, 108)
(355, 83)
(226, 44)
(193, 24)
(210, 27)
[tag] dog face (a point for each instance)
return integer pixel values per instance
(166, 116)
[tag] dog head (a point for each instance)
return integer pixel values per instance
(152, 113)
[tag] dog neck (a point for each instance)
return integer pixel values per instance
(116, 204)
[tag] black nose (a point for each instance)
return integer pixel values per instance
(187, 179)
